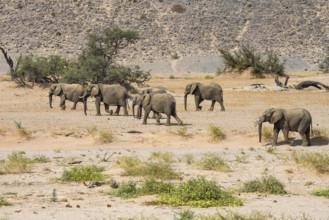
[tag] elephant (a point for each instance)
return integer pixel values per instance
(159, 103)
(71, 92)
(114, 95)
(148, 91)
(211, 91)
(297, 119)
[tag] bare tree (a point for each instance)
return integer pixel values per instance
(13, 69)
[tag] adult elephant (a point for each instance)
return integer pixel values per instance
(71, 92)
(114, 95)
(150, 90)
(297, 119)
(159, 103)
(211, 91)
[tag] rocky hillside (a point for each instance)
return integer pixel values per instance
(179, 37)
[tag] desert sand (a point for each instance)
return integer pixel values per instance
(61, 136)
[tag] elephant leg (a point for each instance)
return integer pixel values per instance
(98, 104)
(157, 118)
(62, 102)
(275, 135)
(304, 137)
(222, 108)
(286, 136)
(146, 114)
(212, 105)
(180, 122)
(74, 106)
(307, 133)
(117, 111)
(198, 101)
(107, 108)
(168, 120)
(125, 110)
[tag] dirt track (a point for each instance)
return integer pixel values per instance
(61, 136)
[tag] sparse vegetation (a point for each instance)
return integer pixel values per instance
(321, 192)
(266, 184)
(83, 173)
(254, 215)
(216, 133)
(212, 161)
(4, 202)
(186, 214)
(182, 131)
(23, 132)
(198, 192)
(133, 166)
(101, 136)
(247, 57)
(189, 159)
(208, 77)
(166, 157)
(267, 134)
(324, 65)
(150, 186)
(15, 163)
(317, 161)
(40, 159)
(271, 149)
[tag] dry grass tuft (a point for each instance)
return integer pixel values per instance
(316, 161)
(216, 133)
(101, 136)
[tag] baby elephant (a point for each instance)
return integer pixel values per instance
(159, 103)
(297, 119)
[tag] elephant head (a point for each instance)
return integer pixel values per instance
(55, 89)
(190, 89)
(272, 116)
(90, 90)
(140, 101)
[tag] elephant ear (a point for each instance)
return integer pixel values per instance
(94, 91)
(58, 89)
(194, 86)
(276, 116)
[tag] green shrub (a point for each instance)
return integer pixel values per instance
(254, 215)
(152, 186)
(316, 161)
(83, 173)
(149, 186)
(211, 161)
(216, 133)
(208, 77)
(133, 166)
(321, 192)
(189, 159)
(266, 184)
(198, 192)
(126, 190)
(247, 57)
(185, 215)
(4, 202)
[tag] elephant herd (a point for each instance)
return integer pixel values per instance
(160, 101)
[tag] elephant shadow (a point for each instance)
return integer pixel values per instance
(315, 142)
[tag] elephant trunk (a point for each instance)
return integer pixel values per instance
(185, 102)
(260, 132)
(50, 100)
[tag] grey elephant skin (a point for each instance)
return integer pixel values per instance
(110, 95)
(211, 91)
(297, 119)
(150, 90)
(71, 92)
(159, 103)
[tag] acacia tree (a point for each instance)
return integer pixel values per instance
(97, 64)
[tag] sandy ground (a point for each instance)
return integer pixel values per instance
(61, 136)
